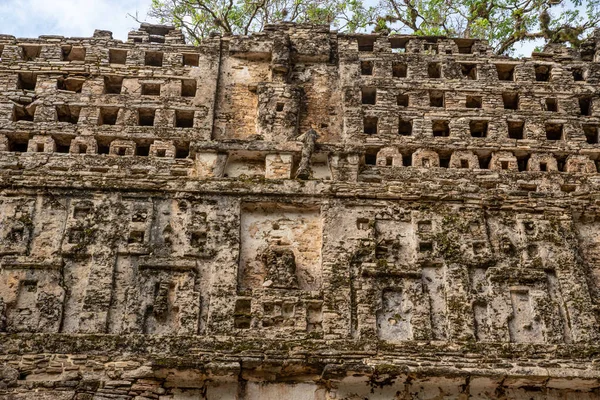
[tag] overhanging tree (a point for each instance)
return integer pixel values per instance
(503, 23)
(199, 18)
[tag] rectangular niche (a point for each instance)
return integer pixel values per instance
(244, 163)
(280, 247)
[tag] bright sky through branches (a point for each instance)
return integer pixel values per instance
(80, 18)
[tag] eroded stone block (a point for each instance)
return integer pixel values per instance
(41, 144)
(278, 166)
(294, 230)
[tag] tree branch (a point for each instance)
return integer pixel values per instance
(256, 8)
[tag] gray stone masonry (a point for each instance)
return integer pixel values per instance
(297, 214)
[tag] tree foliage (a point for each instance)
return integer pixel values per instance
(503, 23)
(199, 18)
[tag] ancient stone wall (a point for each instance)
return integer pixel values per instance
(297, 214)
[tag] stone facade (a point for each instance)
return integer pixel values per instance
(297, 214)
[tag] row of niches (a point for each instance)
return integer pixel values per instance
(416, 45)
(77, 54)
(282, 165)
(107, 115)
(515, 72)
(391, 126)
(579, 104)
(109, 84)
(482, 160)
(90, 145)
(287, 314)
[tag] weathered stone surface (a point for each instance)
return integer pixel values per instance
(297, 214)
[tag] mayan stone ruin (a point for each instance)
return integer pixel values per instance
(298, 214)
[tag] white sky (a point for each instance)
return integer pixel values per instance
(32, 18)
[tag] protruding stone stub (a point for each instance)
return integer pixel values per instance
(102, 34)
(308, 140)
(160, 30)
(151, 33)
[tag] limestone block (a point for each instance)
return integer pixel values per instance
(131, 86)
(425, 158)
(83, 145)
(164, 117)
(171, 88)
(542, 162)
(41, 144)
(161, 148)
(210, 164)
(122, 147)
(580, 164)
(389, 156)
(278, 166)
(463, 159)
(278, 111)
(503, 160)
(45, 114)
(4, 145)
